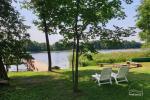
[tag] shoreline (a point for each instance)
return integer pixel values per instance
(97, 50)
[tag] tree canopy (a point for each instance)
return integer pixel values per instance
(143, 21)
(13, 35)
(45, 10)
(86, 19)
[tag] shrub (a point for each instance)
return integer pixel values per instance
(146, 59)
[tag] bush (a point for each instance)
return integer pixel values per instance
(146, 59)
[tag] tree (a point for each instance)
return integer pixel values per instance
(34, 46)
(86, 19)
(12, 36)
(143, 21)
(47, 13)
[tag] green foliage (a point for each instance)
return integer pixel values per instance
(33, 46)
(146, 45)
(114, 45)
(13, 34)
(92, 17)
(141, 59)
(144, 20)
(45, 10)
(62, 45)
(86, 48)
(114, 57)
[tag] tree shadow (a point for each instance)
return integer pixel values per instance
(114, 91)
(58, 86)
(36, 87)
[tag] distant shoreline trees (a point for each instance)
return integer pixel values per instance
(34, 46)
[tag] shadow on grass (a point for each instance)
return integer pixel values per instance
(59, 87)
(112, 92)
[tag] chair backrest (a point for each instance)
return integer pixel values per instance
(106, 74)
(123, 71)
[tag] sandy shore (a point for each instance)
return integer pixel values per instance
(40, 66)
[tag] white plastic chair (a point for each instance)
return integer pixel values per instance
(104, 77)
(121, 76)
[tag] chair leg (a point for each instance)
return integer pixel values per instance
(126, 79)
(99, 84)
(110, 81)
(116, 80)
(95, 80)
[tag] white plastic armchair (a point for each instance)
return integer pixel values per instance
(121, 76)
(104, 77)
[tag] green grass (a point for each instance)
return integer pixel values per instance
(113, 57)
(57, 85)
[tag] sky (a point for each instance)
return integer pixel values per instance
(39, 36)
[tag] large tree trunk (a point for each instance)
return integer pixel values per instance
(3, 73)
(48, 46)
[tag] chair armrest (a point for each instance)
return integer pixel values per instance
(114, 75)
(96, 76)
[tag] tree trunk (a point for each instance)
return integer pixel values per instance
(3, 73)
(77, 65)
(7, 68)
(17, 67)
(48, 45)
(77, 48)
(73, 50)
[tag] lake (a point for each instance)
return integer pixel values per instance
(61, 58)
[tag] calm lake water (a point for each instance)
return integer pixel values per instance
(61, 58)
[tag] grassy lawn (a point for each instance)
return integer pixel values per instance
(57, 85)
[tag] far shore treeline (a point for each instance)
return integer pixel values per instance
(33, 46)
